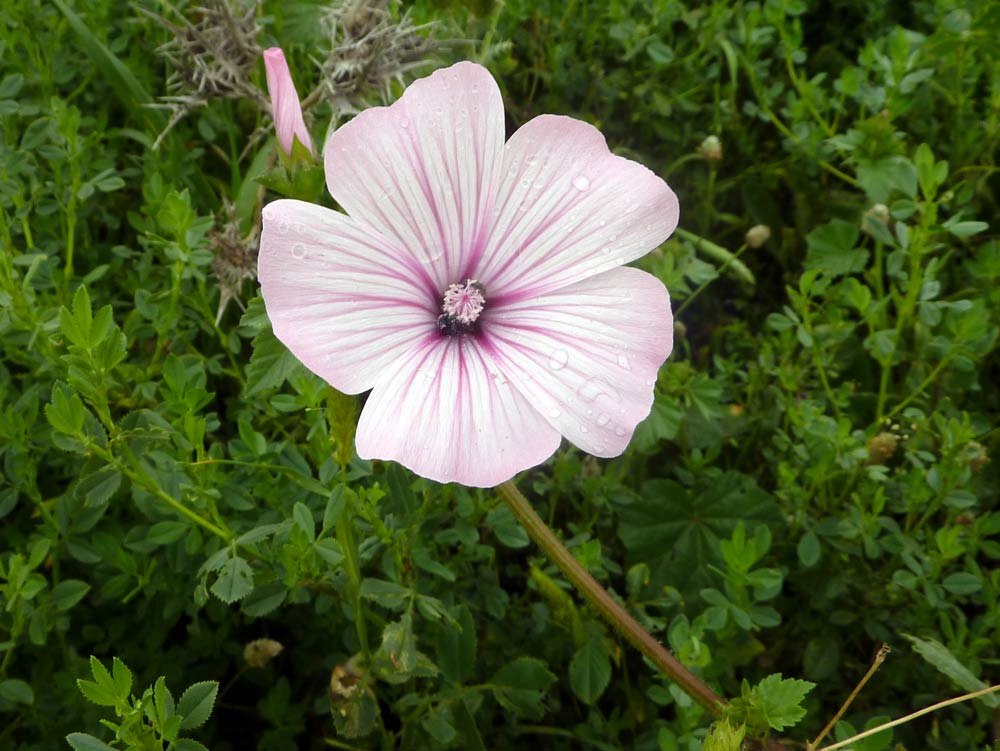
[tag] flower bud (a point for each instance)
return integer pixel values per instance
(758, 235)
(880, 212)
(711, 149)
(285, 105)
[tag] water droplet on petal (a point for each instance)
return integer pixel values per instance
(602, 420)
(558, 359)
(404, 123)
(580, 182)
(553, 413)
(299, 251)
(583, 429)
(623, 362)
(619, 431)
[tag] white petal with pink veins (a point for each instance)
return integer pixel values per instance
(568, 209)
(340, 297)
(445, 412)
(424, 171)
(587, 355)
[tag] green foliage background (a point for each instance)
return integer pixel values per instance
(814, 479)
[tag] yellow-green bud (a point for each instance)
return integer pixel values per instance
(711, 149)
(758, 235)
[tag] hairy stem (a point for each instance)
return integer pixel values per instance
(597, 596)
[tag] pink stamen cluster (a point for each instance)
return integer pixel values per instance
(464, 302)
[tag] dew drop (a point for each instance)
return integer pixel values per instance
(584, 429)
(602, 420)
(623, 362)
(558, 359)
(580, 182)
(299, 250)
(499, 379)
(619, 431)
(554, 412)
(404, 123)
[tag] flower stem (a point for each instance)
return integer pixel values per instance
(598, 597)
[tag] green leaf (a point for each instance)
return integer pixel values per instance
(831, 249)
(506, 528)
(456, 647)
(681, 530)
(780, 699)
(65, 412)
(590, 670)
(264, 599)
(68, 593)
(270, 364)
(101, 696)
(396, 659)
(164, 533)
(84, 742)
(17, 691)
(438, 725)
(97, 488)
(122, 678)
(809, 549)
(962, 583)
(882, 177)
(187, 744)
(75, 324)
(938, 655)
(235, 581)
(303, 519)
(196, 704)
(520, 686)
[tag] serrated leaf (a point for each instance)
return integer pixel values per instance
(84, 742)
(97, 488)
(270, 364)
(938, 655)
(234, 582)
(187, 744)
(590, 670)
(780, 700)
(195, 706)
(122, 677)
(95, 694)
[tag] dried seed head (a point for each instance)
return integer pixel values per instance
(235, 258)
(977, 456)
(881, 448)
(369, 51)
(213, 54)
(259, 652)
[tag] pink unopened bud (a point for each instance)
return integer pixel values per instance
(285, 105)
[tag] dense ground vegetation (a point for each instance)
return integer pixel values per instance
(814, 480)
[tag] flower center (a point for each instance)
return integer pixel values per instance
(461, 307)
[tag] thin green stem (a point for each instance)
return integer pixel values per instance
(345, 536)
(597, 596)
(919, 389)
(718, 253)
(701, 287)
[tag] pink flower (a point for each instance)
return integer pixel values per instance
(476, 287)
(285, 105)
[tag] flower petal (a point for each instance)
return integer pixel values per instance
(445, 413)
(424, 171)
(586, 356)
(568, 209)
(285, 105)
(341, 298)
